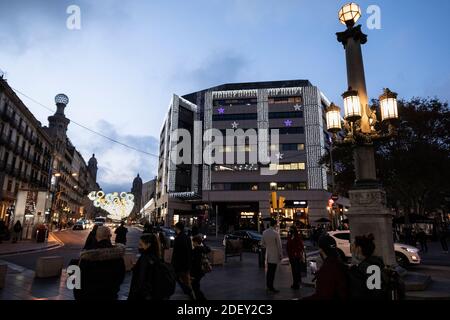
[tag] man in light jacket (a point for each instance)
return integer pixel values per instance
(272, 242)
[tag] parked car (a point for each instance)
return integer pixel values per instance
(80, 225)
(251, 240)
(405, 254)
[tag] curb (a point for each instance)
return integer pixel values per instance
(50, 247)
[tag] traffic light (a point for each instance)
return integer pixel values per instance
(281, 202)
(274, 200)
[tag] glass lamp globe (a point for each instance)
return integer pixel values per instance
(333, 115)
(352, 105)
(388, 105)
(62, 99)
(349, 14)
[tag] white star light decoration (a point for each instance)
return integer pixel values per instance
(279, 156)
(234, 125)
(118, 206)
(298, 107)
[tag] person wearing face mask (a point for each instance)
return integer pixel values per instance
(363, 249)
(332, 277)
(142, 286)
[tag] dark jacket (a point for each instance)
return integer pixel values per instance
(121, 235)
(182, 253)
(332, 281)
(102, 272)
(358, 281)
(17, 227)
(91, 241)
(197, 261)
(295, 247)
(143, 275)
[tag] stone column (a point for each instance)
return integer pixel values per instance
(368, 212)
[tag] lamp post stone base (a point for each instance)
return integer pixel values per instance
(368, 214)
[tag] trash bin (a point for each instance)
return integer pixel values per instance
(261, 257)
(41, 234)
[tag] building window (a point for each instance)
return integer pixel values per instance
(238, 167)
(233, 102)
(291, 130)
(287, 166)
(9, 186)
(241, 116)
(288, 147)
(284, 100)
(285, 115)
(235, 186)
(291, 186)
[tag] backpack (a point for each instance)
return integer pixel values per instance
(164, 280)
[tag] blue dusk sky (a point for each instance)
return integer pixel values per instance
(121, 68)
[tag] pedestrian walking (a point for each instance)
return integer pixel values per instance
(91, 241)
(143, 286)
(102, 269)
(182, 259)
(200, 265)
(331, 279)
(295, 249)
(121, 234)
(272, 242)
(442, 235)
(17, 231)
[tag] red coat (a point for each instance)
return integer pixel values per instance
(295, 247)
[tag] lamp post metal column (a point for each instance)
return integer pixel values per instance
(368, 212)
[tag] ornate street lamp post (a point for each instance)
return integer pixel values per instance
(368, 213)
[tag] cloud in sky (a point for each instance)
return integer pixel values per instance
(118, 165)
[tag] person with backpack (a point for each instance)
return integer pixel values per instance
(295, 249)
(182, 259)
(152, 279)
(200, 265)
(331, 279)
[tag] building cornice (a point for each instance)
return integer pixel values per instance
(252, 93)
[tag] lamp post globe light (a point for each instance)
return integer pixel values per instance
(368, 212)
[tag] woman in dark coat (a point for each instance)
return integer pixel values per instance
(295, 250)
(143, 271)
(332, 279)
(91, 241)
(198, 266)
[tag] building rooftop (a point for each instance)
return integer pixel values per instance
(250, 85)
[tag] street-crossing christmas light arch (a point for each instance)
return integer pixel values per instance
(118, 206)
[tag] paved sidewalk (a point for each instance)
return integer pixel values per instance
(234, 281)
(23, 246)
